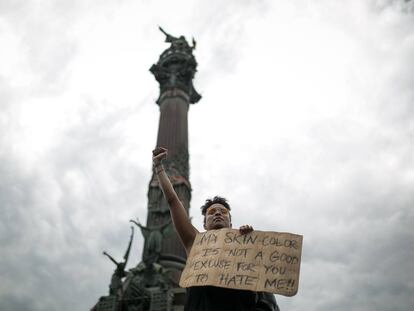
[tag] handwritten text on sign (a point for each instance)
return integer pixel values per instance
(259, 261)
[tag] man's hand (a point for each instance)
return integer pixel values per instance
(245, 229)
(158, 154)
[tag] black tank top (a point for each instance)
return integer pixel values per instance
(211, 298)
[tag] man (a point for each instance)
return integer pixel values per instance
(216, 216)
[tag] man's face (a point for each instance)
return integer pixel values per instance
(217, 217)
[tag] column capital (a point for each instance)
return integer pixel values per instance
(176, 67)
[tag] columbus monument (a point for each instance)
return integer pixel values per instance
(152, 284)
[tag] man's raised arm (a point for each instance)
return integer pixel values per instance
(180, 219)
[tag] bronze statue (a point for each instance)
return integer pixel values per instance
(116, 280)
(153, 241)
(177, 42)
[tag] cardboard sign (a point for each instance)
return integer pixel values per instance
(258, 261)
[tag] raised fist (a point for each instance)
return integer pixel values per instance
(158, 154)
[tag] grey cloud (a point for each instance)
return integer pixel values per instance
(52, 235)
(44, 32)
(223, 30)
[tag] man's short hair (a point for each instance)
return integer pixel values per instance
(216, 199)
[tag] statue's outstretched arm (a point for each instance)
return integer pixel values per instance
(110, 257)
(138, 223)
(163, 31)
(168, 38)
(145, 231)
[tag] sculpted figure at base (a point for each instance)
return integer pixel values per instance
(115, 288)
(153, 236)
(217, 215)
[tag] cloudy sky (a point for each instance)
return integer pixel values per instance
(306, 125)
